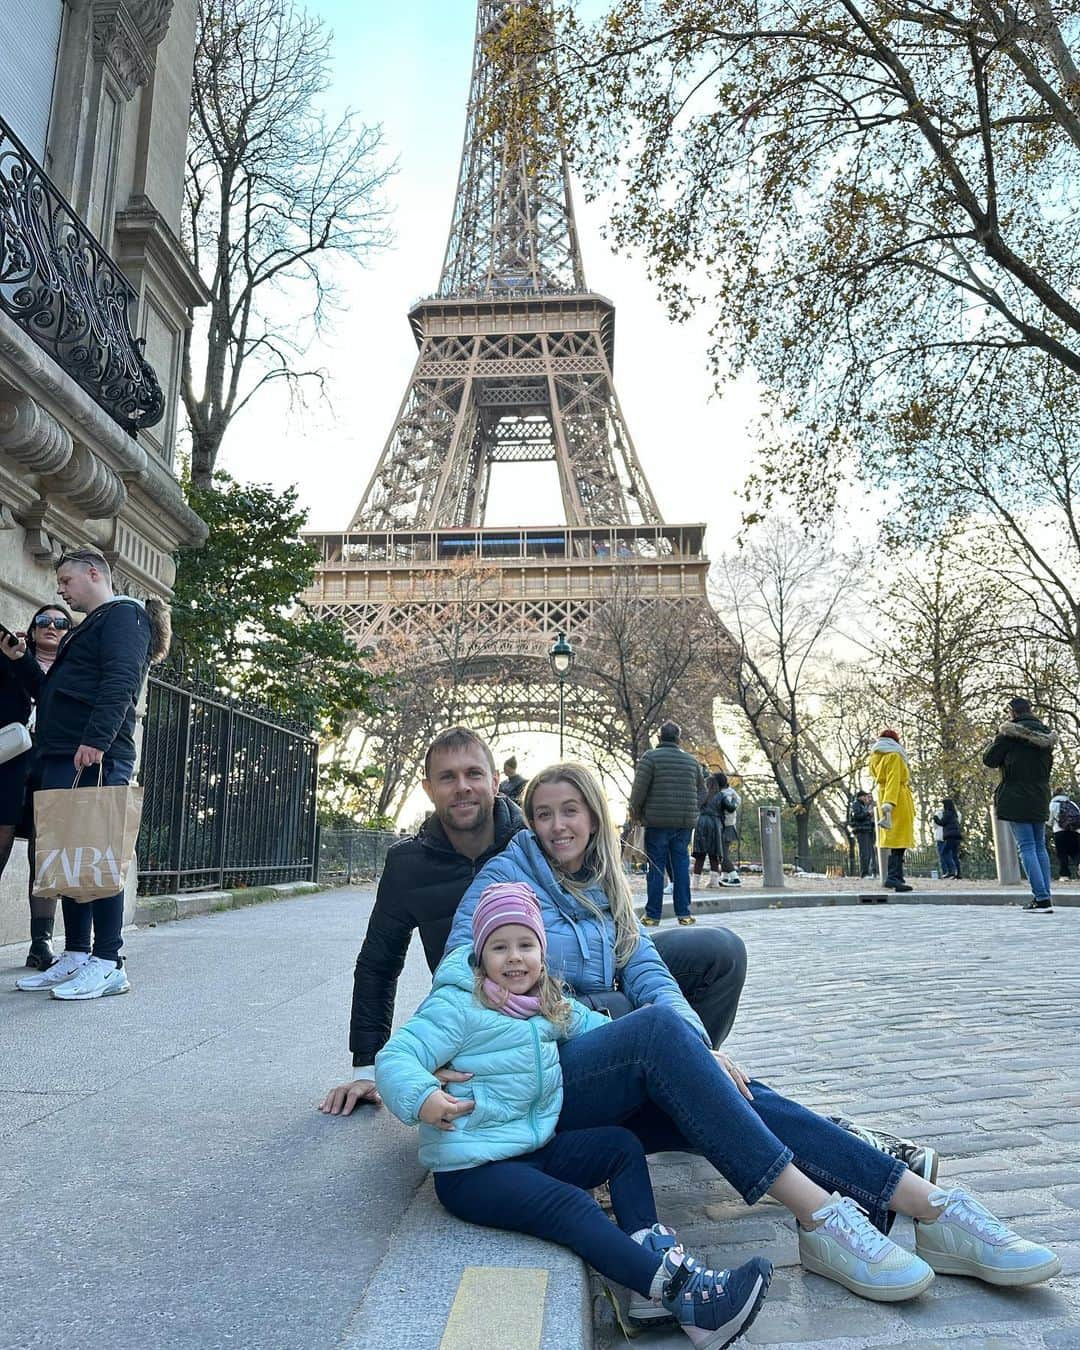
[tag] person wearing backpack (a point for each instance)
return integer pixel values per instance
(1065, 826)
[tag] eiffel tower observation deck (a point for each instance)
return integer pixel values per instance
(514, 366)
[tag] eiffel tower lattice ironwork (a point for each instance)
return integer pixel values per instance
(514, 366)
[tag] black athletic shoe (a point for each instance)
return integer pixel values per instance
(919, 1158)
(1039, 907)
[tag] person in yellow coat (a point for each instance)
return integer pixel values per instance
(896, 805)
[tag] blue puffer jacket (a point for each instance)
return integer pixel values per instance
(581, 947)
(516, 1083)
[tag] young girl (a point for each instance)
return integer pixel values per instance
(496, 1013)
(654, 1072)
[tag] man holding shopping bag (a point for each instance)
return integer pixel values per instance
(85, 738)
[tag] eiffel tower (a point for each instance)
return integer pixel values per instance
(514, 366)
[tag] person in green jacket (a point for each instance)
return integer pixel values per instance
(1023, 751)
(496, 1011)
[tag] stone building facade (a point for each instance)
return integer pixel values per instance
(96, 294)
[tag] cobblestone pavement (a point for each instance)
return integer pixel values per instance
(958, 1026)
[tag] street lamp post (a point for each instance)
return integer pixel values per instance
(561, 657)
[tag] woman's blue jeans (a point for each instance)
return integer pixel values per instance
(650, 1072)
(1031, 845)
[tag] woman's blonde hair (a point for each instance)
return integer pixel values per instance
(603, 857)
(550, 992)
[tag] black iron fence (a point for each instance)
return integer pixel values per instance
(976, 861)
(346, 856)
(229, 790)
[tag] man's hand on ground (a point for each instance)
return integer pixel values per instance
(442, 1110)
(343, 1100)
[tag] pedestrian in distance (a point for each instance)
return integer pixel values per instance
(513, 785)
(863, 826)
(664, 797)
(1064, 825)
(652, 1070)
(86, 705)
(1023, 752)
(496, 1011)
(706, 842)
(948, 833)
(896, 805)
(730, 804)
(41, 640)
(423, 880)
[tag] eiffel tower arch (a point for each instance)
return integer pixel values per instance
(514, 366)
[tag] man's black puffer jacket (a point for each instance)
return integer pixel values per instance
(421, 885)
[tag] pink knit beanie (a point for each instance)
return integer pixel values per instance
(502, 903)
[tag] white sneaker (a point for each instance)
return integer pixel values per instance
(848, 1248)
(96, 979)
(669, 888)
(731, 879)
(713, 882)
(968, 1240)
(66, 968)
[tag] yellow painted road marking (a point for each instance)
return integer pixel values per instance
(497, 1305)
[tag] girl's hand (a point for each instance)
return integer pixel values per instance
(738, 1075)
(441, 1110)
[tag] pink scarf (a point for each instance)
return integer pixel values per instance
(45, 662)
(513, 1005)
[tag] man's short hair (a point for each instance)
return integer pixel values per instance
(671, 731)
(510, 765)
(88, 557)
(456, 738)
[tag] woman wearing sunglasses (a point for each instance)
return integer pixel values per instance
(44, 633)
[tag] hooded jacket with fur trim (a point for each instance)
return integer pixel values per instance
(1023, 751)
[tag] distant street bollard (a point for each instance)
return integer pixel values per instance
(1005, 855)
(772, 855)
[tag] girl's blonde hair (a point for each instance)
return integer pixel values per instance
(549, 991)
(602, 855)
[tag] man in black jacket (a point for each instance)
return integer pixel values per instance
(424, 880)
(86, 719)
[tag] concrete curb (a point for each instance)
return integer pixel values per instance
(735, 900)
(151, 910)
(411, 1291)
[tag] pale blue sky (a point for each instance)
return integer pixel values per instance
(407, 67)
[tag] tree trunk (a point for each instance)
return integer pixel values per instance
(204, 453)
(802, 839)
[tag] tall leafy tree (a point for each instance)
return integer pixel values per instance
(237, 609)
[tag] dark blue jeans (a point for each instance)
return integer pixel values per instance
(650, 1072)
(668, 851)
(546, 1194)
(949, 853)
(99, 919)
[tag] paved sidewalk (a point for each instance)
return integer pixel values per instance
(956, 1025)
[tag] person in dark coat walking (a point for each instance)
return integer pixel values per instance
(1023, 751)
(664, 797)
(947, 820)
(707, 841)
(86, 706)
(1064, 825)
(863, 825)
(43, 636)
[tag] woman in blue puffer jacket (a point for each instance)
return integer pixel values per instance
(498, 1014)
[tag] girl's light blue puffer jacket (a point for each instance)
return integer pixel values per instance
(516, 1083)
(581, 947)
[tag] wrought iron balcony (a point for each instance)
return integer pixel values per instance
(61, 287)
